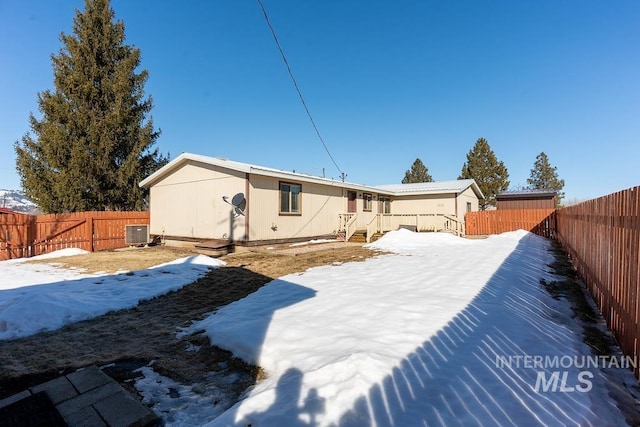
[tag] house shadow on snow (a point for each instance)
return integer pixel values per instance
(285, 411)
(455, 378)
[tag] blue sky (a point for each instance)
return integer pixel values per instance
(386, 83)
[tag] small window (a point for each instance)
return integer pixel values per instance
(290, 198)
(468, 206)
(367, 200)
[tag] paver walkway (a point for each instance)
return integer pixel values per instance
(87, 397)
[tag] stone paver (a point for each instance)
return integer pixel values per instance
(83, 400)
(85, 417)
(88, 379)
(12, 399)
(58, 390)
(123, 410)
(89, 397)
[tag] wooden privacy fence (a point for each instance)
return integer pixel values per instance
(602, 236)
(29, 235)
(538, 221)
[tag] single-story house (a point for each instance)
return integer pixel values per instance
(526, 199)
(196, 197)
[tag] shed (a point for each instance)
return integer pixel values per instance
(527, 199)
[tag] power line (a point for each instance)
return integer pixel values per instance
(295, 84)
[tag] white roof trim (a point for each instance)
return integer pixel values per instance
(435, 187)
(442, 187)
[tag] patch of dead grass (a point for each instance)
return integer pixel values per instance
(273, 264)
(112, 261)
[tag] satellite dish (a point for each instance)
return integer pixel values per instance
(238, 202)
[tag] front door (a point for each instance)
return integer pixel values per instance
(351, 202)
(384, 206)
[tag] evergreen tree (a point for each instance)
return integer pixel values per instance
(417, 173)
(545, 177)
(490, 174)
(94, 141)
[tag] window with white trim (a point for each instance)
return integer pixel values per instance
(290, 198)
(367, 202)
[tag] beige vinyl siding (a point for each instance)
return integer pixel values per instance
(188, 203)
(467, 195)
(320, 205)
(430, 204)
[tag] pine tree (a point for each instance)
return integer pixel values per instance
(490, 174)
(417, 173)
(93, 143)
(545, 177)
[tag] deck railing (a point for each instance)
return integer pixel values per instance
(381, 223)
(454, 225)
(372, 227)
(347, 224)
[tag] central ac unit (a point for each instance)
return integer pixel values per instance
(136, 234)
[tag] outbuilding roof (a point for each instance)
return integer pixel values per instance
(527, 194)
(442, 187)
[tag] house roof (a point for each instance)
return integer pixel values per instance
(436, 187)
(527, 194)
(245, 168)
(6, 211)
(442, 187)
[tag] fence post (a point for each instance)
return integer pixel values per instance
(92, 234)
(31, 234)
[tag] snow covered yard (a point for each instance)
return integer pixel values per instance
(443, 332)
(43, 297)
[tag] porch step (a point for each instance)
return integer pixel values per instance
(376, 236)
(360, 236)
(215, 247)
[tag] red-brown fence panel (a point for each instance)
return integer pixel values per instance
(539, 221)
(602, 237)
(109, 230)
(61, 231)
(15, 233)
(28, 235)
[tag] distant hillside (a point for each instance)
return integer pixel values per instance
(16, 201)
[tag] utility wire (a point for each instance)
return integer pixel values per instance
(295, 84)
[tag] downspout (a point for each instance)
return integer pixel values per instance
(455, 200)
(246, 208)
(457, 217)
